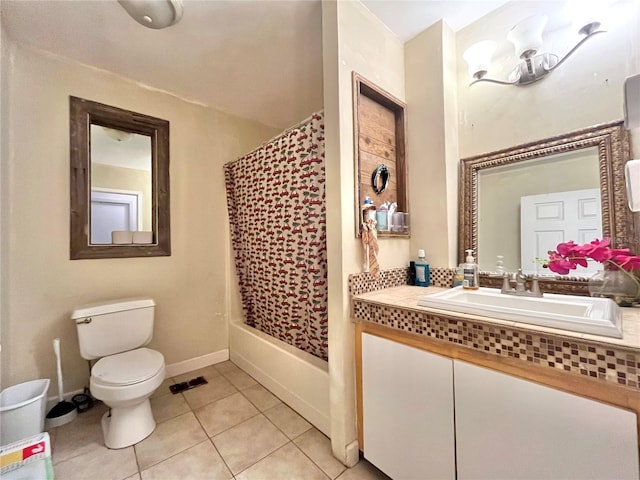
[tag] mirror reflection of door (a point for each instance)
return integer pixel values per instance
(121, 183)
(113, 211)
(501, 188)
(553, 218)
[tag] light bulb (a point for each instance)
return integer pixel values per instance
(478, 57)
(526, 36)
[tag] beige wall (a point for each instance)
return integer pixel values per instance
(586, 90)
(4, 164)
(121, 178)
(430, 66)
(41, 285)
(353, 39)
(367, 47)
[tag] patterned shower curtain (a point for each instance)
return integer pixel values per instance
(276, 203)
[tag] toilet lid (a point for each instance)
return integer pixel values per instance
(129, 367)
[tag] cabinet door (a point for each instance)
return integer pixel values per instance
(407, 410)
(508, 428)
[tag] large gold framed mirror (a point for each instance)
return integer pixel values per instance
(119, 182)
(520, 202)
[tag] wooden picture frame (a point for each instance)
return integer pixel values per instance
(379, 137)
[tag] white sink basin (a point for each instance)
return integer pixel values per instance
(598, 316)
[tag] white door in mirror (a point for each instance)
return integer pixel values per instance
(113, 212)
(552, 218)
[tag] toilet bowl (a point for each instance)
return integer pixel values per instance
(124, 382)
(126, 373)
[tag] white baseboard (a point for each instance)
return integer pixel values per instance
(197, 362)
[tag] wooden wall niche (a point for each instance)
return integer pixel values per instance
(379, 139)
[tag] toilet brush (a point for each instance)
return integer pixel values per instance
(63, 412)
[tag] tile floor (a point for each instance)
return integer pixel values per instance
(230, 428)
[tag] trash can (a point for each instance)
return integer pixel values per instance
(22, 410)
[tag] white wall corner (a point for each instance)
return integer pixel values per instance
(427, 142)
(451, 151)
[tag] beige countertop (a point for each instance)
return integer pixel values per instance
(406, 297)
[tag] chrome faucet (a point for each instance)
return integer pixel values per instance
(520, 288)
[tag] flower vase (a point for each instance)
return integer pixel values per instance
(620, 286)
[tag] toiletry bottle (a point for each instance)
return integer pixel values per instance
(422, 270)
(470, 271)
(412, 272)
(391, 209)
(381, 218)
(368, 210)
(458, 276)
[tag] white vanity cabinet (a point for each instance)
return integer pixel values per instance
(407, 401)
(505, 427)
(508, 428)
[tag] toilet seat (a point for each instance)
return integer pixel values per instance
(128, 368)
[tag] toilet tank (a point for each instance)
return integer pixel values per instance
(114, 327)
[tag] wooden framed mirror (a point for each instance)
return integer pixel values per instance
(571, 177)
(119, 182)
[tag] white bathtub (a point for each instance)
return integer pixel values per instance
(296, 377)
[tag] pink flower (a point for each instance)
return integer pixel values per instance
(561, 267)
(569, 255)
(559, 264)
(628, 262)
(566, 249)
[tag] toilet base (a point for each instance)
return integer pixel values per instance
(126, 426)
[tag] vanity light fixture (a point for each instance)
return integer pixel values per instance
(154, 14)
(526, 37)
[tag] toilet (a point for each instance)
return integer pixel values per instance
(126, 373)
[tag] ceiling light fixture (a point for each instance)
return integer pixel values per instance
(154, 14)
(117, 135)
(526, 37)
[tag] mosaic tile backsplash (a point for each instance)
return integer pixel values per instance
(360, 283)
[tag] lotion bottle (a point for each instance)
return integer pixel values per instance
(458, 277)
(422, 270)
(470, 270)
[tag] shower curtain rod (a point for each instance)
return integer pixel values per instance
(279, 135)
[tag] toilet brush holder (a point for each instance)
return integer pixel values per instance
(63, 412)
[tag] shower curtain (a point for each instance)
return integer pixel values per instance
(276, 204)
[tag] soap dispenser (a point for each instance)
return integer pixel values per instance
(470, 272)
